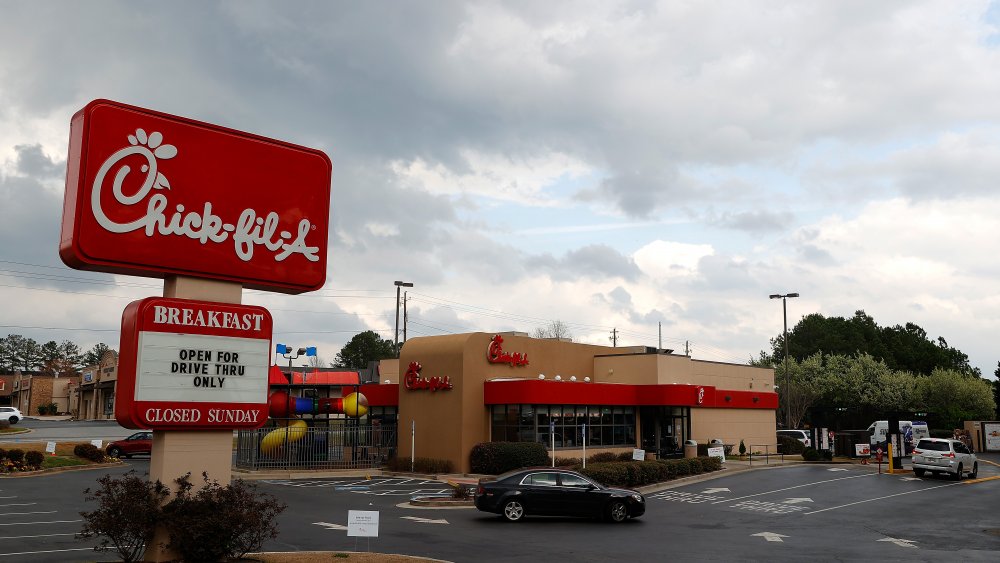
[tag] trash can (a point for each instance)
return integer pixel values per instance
(690, 448)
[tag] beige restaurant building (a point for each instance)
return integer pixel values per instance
(456, 391)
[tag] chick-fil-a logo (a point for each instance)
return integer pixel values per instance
(248, 231)
(414, 381)
(496, 355)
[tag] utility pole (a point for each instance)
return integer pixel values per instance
(687, 347)
(404, 317)
(659, 337)
(614, 337)
(395, 339)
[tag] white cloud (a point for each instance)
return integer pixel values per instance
(662, 259)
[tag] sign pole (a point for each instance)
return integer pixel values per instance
(552, 435)
(583, 435)
(413, 444)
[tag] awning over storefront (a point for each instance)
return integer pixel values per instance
(542, 392)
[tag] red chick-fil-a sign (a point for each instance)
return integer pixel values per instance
(153, 194)
(414, 381)
(193, 365)
(496, 355)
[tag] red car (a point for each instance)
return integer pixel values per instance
(138, 443)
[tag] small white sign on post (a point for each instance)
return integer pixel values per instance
(50, 448)
(97, 443)
(862, 450)
(362, 523)
(719, 452)
(638, 455)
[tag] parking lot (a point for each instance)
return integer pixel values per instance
(789, 513)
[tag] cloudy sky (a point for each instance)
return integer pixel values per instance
(611, 165)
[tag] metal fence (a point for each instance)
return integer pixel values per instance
(337, 446)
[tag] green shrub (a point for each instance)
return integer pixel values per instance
(128, 509)
(811, 454)
(43, 410)
(569, 461)
(638, 473)
(34, 459)
(3, 454)
(743, 448)
(88, 451)
(790, 446)
(603, 457)
(15, 455)
(420, 465)
(493, 458)
(216, 522)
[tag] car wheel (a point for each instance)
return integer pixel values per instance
(513, 511)
(114, 451)
(13, 419)
(617, 512)
(918, 472)
(975, 471)
(958, 474)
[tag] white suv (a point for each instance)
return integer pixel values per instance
(939, 455)
(800, 435)
(10, 414)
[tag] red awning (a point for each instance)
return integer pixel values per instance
(326, 378)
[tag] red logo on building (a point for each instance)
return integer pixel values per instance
(153, 194)
(414, 381)
(496, 355)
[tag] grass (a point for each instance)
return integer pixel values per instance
(13, 430)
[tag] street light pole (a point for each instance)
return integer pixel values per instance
(784, 310)
(395, 339)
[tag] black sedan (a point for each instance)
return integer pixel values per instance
(555, 492)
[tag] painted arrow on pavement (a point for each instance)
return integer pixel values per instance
(770, 536)
(836, 469)
(797, 500)
(425, 520)
(330, 526)
(900, 542)
(713, 491)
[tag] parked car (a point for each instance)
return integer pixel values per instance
(138, 443)
(555, 492)
(800, 435)
(940, 455)
(10, 414)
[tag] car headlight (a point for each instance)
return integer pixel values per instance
(637, 497)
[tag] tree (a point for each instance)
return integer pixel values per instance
(363, 348)
(93, 357)
(955, 397)
(904, 348)
(555, 329)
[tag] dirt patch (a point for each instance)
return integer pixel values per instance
(333, 557)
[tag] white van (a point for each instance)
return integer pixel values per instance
(912, 432)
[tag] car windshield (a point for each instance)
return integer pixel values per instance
(934, 446)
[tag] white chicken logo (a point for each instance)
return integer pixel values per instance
(249, 230)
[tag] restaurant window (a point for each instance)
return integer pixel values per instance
(606, 426)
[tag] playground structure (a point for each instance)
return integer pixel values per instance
(283, 406)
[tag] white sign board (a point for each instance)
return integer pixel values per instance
(638, 455)
(862, 450)
(97, 443)
(201, 368)
(719, 452)
(992, 431)
(50, 448)
(362, 523)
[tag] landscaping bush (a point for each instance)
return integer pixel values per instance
(43, 410)
(4, 424)
(790, 446)
(89, 451)
(15, 455)
(420, 465)
(625, 456)
(3, 453)
(569, 461)
(128, 509)
(604, 457)
(811, 454)
(639, 473)
(217, 522)
(34, 459)
(743, 448)
(493, 458)
(710, 464)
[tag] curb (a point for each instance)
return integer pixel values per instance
(55, 470)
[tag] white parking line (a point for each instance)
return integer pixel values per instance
(49, 522)
(47, 551)
(38, 536)
(881, 498)
(25, 513)
(795, 487)
(18, 504)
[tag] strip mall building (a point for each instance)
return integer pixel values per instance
(459, 390)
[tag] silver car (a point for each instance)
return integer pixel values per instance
(939, 455)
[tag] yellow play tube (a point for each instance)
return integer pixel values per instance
(291, 432)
